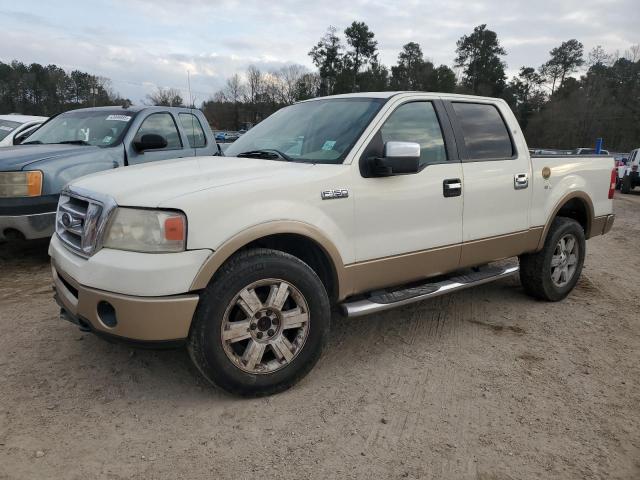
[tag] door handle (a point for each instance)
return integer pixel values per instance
(452, 187)
(520, 181)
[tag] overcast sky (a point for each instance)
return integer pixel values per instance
(141, 44)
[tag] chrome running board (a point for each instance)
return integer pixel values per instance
(381, 300)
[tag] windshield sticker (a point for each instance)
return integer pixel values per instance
(328, 145)
(106, 139)
(6, 129)
(119, 118)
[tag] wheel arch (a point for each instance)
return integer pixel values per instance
(576, 205)
(300, 239)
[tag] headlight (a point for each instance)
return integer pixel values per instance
(21, 184)
(152, 231)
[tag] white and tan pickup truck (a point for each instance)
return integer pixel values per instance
(366, 201)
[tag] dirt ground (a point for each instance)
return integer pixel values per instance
(484, 384)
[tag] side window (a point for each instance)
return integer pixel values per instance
(485, 133)
(195, 133)
(161, 124)
(417, 122)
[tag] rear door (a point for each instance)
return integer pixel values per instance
(159, 123)
(496, 176)
(194, 133)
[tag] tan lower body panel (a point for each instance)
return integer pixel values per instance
(391, 271)
(138, 318)
(401, 269)
(477, 252)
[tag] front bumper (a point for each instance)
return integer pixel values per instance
(602, 225)
(126, 317)
(31, 217)
(39, 225)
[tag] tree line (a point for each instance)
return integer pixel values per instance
(555, 108)
(36, 89)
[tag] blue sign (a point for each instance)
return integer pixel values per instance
(598, 145)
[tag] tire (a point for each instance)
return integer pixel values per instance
(626, 184)
(618, 183)
(261, 323)
(540, 277)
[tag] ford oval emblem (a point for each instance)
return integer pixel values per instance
(68, 221)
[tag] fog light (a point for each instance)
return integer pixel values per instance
(107, 314)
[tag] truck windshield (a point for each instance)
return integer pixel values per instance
(101, 128)
(6, 127)
(319, 131)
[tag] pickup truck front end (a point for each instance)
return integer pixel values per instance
(108, 276)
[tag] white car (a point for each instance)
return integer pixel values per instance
(12, 126)
(365, 201)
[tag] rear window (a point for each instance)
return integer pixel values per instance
(485, 133)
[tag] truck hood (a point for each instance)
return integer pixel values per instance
(153, 184)
(21, 156)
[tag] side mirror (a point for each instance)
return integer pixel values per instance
(400, 158)
(150, 141)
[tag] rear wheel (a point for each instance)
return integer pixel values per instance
(626, 184)
(553, 272)
(261, 323)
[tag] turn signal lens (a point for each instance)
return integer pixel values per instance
(21, 184)
(34, 183)
(174, 228)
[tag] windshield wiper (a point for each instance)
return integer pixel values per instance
(73, 142)
(267, 154)
(32, 142)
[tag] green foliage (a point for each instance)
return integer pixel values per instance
(605, 102)
(525, 95)
(479, 55)
(413, 72)
(46, 90)
(363, 48)
(327, 56)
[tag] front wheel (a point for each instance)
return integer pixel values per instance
(553, 272)
(261, 323)
(626, 184)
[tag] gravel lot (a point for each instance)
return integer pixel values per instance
(484, 384)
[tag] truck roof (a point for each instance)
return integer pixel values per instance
(16, 117)
(135, 108)
(392, 94)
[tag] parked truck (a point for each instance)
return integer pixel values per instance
(14, 127)
(365, 201)
(85, 141)
(628, 174)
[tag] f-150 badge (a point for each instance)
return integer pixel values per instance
(335, 193)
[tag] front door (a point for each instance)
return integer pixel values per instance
(163, 124)
(409, 226)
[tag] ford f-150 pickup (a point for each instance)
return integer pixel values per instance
(80, 142)
(365, 201)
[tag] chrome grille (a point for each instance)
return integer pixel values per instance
(80, 221)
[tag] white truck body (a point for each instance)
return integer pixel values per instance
(376, 232)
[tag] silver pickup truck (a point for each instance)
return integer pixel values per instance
(85, 141)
